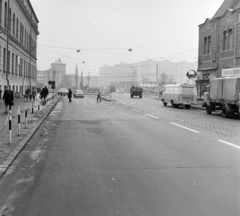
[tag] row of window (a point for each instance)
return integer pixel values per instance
(16, 28)
(228, 42)
(16, 65)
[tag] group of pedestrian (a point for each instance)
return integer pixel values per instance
(70, 96)
(7, 98)
(29, 94)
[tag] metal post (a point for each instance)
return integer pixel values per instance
(26, 116)
(19, 122)
(10, 124)
(32, 112)
(156, 79)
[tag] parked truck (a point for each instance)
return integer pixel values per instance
(179, 95)
(136, 91)
(223, 94)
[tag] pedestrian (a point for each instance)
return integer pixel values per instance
(44, 93)
(8, 98)
(0, 92)
(27, 93)
(34, 93)
(70, 95)
(98, 96)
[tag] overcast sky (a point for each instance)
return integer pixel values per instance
(104, 30)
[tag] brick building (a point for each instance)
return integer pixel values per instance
(219, 44)
(18, 45)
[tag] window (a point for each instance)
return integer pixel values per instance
(16, 64)
(17, 29)
(13, 24)
(9, 20)
(209, 44)
(0, 12)
(228, 42)
(12, 63)
(225, 36)
(5, 15)
(230, 38)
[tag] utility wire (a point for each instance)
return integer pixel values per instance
(125, 11)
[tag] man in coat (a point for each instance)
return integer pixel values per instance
(44, 94)
(8, 98)
(70, 95)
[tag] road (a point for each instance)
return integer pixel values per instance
(128, 157)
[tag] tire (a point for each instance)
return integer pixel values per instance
(225, 111)
(187, 106)
(131, 96)
(164, 103)
(173, 104)
(140, 96)
(208, 109)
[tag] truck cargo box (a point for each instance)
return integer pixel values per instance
(231, 88)
(216, 89)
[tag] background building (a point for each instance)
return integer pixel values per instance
(219, 44)
(18, 45)
(146, 73)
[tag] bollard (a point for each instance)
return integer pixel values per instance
(32, 113)
(19, 125)
(38, 108)
(26, 116)
(10, 124)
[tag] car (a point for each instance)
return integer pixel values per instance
(63, 91)
(78, 94)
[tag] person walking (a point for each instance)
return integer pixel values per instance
(0, 92)
(70, 95)
(8, 98)
(34, 93)
(44, 93)
(98, 96)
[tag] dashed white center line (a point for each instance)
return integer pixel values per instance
(185, 127)
(229, 144)
(152, 116)
(135, 110)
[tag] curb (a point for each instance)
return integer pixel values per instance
(17, 150)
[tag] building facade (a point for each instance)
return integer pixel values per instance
(18, 45)
(219, 44)
(146, 73)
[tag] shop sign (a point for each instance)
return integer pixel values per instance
(231, 72)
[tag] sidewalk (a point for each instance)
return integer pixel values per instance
(8, 152)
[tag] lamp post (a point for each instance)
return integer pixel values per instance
(8, 55)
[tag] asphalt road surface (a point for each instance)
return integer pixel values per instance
(129, 157)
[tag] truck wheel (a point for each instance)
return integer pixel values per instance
(131, 96)
(187, 106)
(225, 111)
(140, 96)
(208, 109)
(164, 103)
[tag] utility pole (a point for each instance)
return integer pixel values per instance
(88, 78)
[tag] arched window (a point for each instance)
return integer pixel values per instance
(5, 15)
(0, 12)
(13, 29)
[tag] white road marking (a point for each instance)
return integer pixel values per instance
(184, 127)
(229, 144)
(152, 116)
(135, 110)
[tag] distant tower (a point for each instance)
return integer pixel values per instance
(81, 82)
(76, 76)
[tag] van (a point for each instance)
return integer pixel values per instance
(180, 95)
